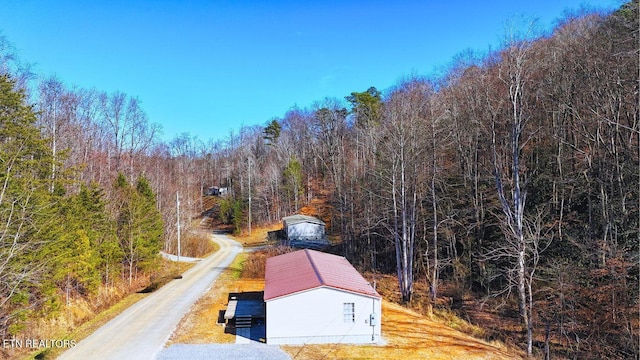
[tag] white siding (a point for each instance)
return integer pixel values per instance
(304, 231)
(317, 316)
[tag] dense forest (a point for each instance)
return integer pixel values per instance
(513, 175)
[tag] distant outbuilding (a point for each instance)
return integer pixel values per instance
(212, 191)
(313, 298)
(304, 231)
(303, 227)
(216, 191)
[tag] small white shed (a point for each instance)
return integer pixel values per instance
(303, 227)
(314, 298)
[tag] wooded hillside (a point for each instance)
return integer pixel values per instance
(513, 175)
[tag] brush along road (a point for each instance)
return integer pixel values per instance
(141, 331)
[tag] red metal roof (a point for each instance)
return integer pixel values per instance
(308, 269)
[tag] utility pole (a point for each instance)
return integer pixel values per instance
(178, 222)
(249, 164)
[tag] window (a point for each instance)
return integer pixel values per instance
(349, 312)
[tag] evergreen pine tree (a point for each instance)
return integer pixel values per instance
(139, 224)
(26, 205)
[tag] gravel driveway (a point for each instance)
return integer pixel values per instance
(141, 331)
(223, 351)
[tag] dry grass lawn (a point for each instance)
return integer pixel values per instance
(199, 325)
(408, 335)
(258, 236)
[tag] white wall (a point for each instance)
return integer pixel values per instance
(305, 230)
(316, 316)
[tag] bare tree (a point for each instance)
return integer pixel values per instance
(113, 112)
(52, 94)
(139, 133)
(438, 138)
(10, 63)
(90, 138)
(514, 76)
(401, 173)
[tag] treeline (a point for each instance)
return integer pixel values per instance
(87, 195)
(80, 216)
(62, 238)
(515, 174)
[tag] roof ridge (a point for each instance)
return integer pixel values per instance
(313, 266)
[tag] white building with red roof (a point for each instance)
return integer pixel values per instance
(314, 298)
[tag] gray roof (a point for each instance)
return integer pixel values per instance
(298, 219)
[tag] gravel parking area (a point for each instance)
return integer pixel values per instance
(223, 351)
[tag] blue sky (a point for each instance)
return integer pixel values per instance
(209, 67)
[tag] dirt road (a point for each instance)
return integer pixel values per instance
(141, 331)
